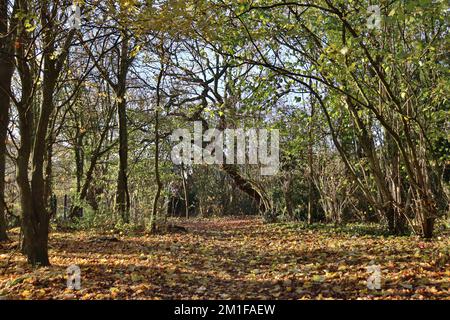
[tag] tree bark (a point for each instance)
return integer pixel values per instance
(122, 194)
(310, 163)
(4, 119)
(6, 72)
(157, 173)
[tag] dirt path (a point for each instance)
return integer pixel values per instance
(232, 259)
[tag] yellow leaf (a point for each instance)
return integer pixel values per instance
(26, 293)
(114, 291)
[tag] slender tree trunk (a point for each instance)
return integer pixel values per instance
(310, 164)
(4, 117)
(6, 72)
(186, 200)
(48, 178)
(157, 175)
(75, 210)
(79, 159)
(122, 194)
(122, 198)
(288, 196)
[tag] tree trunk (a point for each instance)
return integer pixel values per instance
(310, 163)
(6, 72)
(122, 198)
(157, 174)
(186, 199)
(79, 158)
(34, 214)
(428, 227)
(122, 194)
(247, 187)
(35, 240)
(48, 177)
(287, 189)
(4, 117)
